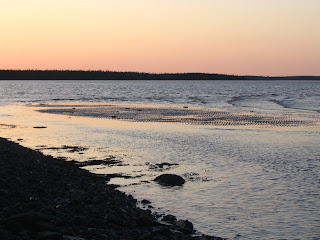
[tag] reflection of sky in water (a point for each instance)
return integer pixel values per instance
(260, 96)
(256, 182)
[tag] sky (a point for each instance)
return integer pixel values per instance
(240, 37)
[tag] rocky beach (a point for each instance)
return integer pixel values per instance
(42, 197)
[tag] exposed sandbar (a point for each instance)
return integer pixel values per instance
(185, 115)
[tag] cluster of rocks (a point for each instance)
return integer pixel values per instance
(71, 149)
(161, 166)
(51, 199)
(111, 161)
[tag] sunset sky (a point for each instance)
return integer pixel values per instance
(242, 37)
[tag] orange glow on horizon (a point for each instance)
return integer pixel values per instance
(232, 37)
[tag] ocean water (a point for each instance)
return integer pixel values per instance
(249, 150)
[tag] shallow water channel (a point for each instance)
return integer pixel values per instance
(242, 182)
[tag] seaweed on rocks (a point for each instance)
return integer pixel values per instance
(71, 149)
(42, 197)
(111, 161)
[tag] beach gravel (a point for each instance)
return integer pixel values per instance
(46, 198)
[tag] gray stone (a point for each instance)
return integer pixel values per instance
(50, 236)
(170, 180)
(79, 220)
(143, 221)
(169, 219)
(72, 238)
(3, 192)
(185, 226)
(32, 221)
(145, 201)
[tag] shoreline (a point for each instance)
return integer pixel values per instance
(42, 197)
(22, 74)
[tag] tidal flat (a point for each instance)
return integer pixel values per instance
(248, 175)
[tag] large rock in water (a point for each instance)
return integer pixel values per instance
(170, 180)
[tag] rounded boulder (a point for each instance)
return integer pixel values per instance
(170, 180)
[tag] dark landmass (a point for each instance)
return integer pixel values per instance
(106, 75)
(45, 198)
(312, 78)
(110, 75)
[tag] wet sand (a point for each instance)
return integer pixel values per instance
(183, 114)
(46, 198)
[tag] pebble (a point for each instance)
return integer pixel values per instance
(145, 201)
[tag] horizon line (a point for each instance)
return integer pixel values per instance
(153, 73)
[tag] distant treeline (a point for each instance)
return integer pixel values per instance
(105, 75)
(110, 75)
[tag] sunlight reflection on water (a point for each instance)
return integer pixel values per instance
(260, 183)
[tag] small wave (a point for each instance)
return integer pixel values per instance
(64, 99)
(280, 103)
(195, 99)
(288, 106)
(93, 99)
(244, 97)
(235, 99)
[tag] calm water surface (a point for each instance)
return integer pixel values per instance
(242, 182)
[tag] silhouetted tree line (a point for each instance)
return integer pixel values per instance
(106, 75)
(110, 75)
